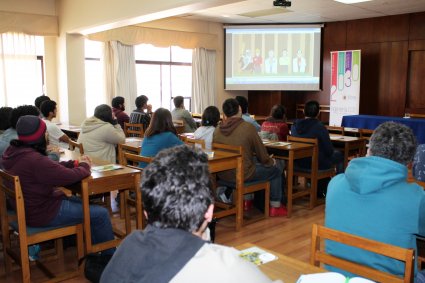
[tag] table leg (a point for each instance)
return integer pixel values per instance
(290, 182)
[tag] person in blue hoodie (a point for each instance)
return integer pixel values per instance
(311, 127)
(374, 200)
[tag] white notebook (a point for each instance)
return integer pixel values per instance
(331, 277)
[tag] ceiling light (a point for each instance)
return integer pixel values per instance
(351, 1)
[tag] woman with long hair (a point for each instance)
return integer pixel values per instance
(160, 134)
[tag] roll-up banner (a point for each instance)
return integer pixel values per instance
(345, 85)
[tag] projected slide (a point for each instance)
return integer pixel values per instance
(272, 57)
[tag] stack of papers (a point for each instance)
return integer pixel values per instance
(108, 167)
(257, 255)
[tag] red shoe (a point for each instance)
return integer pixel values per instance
(278, 211)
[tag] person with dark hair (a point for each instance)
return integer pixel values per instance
(373, 199)
(118, 107)
(100, 134)
(243, 103)
(275, 124)
(311, 127)
(10, 134)
(180, 113)
(160, 135)
(139, 116)
(210, 119)
(40, 100)
(173, 248)
(56, 136)
(40, 177)
(258, 165)
(5, 118)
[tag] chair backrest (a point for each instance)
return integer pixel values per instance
(299, 110)
(227, 147)
(318, 255)
(335, 130)
(195, 142)
(134, 130)
(365, 133)
(123, 148)
(315, 157)
(415, 115)
(132, 160)
(179, 125)
(73, 145)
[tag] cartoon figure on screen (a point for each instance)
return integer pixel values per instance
(284, 62)
(271, 63)
(245, 61)
(257, 61)
(299, 63)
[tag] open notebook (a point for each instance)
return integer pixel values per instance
(257, 255)
(331, 277)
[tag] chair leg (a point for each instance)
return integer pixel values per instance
(267, 200)
(313, 193)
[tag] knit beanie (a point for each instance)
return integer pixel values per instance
(30, 129)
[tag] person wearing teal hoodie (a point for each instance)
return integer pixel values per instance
(374, 200)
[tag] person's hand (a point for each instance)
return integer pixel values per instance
(86, 159)
(149, 108)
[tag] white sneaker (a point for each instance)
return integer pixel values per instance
(221, 195)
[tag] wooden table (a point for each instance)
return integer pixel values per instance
(72, 131)
(290, 152)
(285, 268)
(105, 182)
(350, 145)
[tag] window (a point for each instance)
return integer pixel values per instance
(21, 68)
(95, 94)
(163, 73)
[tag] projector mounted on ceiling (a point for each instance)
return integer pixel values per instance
(282, 3)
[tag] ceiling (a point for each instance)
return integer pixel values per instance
(303, 11)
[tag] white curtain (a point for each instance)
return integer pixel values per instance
(20, 73)
(120, 72)
(203, 79)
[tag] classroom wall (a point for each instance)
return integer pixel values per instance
(392, 71)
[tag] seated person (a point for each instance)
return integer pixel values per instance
(161, 134)
(374, 200)
(276, 124)
(173, 248)
(10, 134)
(210, 119)
(139, 116)
(5, 118)
(243, 103)
(235, 131)
(40, 99)
(418, 169)
(56, 136)
(180, 113)
(311, 127)
(100, 134)
(45, 205)
(118, 108)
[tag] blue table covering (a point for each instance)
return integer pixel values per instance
(372, 121)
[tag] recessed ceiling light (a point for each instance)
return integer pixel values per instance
(351, 1)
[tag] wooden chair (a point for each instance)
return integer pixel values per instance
(415, 115)
(247, 188)
(299, 111)
(134, 130)
(10, 188)
(179, 125)
(195, 142)
(318, 256)
(365, 134)
(314, 174)
(122, 148)
(132, 160)
(73, 145)
(335, 130)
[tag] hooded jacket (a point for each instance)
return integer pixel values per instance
(235, 131)
(39, 176)
(99, 138)
(373, 200)
(205, 133)
(313, 128)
